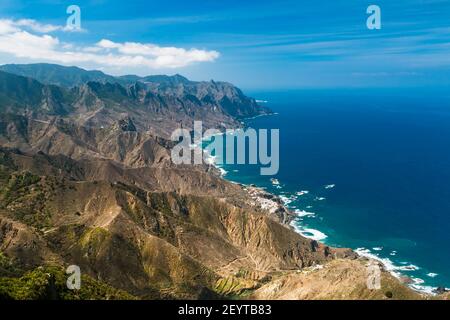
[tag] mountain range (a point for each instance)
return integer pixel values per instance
(86, 179)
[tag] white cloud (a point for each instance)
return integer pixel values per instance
(156, 56)
(17, 39)
(36, 26)
(107, 44)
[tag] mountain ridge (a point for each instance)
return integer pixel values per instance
(56, 74)
(160, 107)
(71, 76)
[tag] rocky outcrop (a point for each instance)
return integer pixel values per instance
(337, 280)
(23, 245)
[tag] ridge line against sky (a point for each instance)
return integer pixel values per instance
(259, 44)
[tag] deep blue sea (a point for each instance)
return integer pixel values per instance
(376, 165)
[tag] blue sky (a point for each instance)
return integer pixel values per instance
(253, 44)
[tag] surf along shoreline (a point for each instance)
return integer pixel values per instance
(279, 204)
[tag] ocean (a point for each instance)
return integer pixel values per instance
(367, 169)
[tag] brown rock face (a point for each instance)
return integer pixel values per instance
(337, 280)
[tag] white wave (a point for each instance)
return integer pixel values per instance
(301, 193)
(223, 172)
(303, 213)
(286, 200)
(320, 198)
(313, 234)
(309, 233)
(388, 264)
(377, 248)
(432, 274)
(330, 186)
(275, 181)
(417, 280)
(393, 253)
(418, 285)
(209, 159)
(394, 270)
(409, 267)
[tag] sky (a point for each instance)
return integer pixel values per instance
(276, 44)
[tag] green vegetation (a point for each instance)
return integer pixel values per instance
(49, 283)
(6, 161)
(25, 196)
(93, 238)
(17, 185)
(7, 268)
(159, 202)
(234, 287)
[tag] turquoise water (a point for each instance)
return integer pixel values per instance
(376, 168)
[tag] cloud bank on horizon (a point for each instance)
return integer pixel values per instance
(29, 39)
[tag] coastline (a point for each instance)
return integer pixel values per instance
(258, 192)
(273, 201)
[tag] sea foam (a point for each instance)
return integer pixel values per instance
(303, 213)
(417, 283)
(309, 233)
